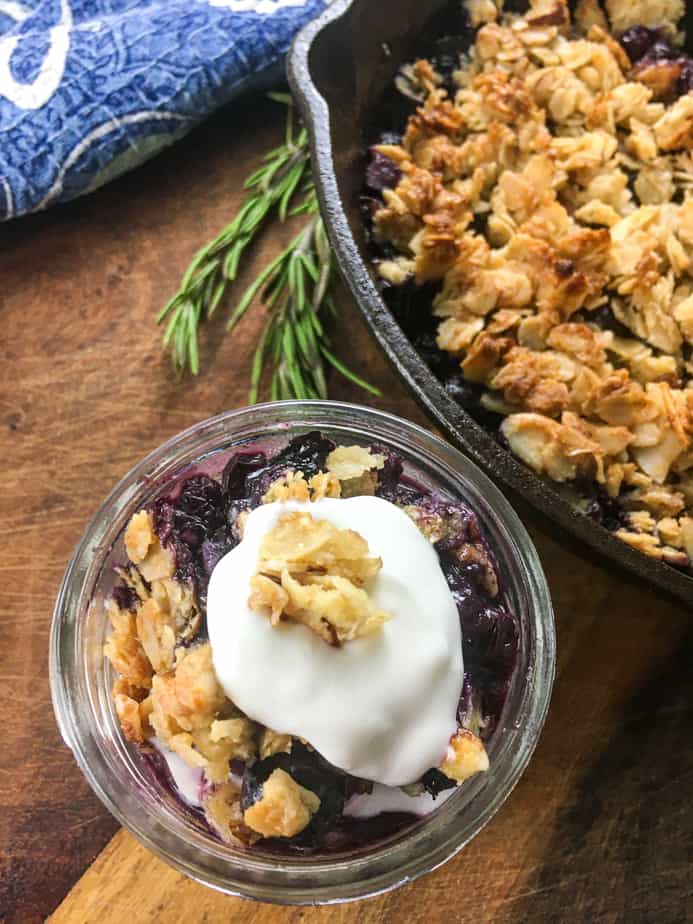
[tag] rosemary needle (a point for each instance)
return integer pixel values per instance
(295, 288)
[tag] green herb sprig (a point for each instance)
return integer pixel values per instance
(296, 287)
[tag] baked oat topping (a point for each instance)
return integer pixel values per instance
(294, 486)
(356, 468)
(311, 572)
(271, 743)
(222, 807)
(466, 756)
(191, 715)
(549, 199)
(284, 809)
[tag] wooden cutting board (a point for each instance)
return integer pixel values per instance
(599, 829)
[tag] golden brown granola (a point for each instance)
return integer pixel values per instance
(300, 543)
(293, 486)
(271, 743)
(311, 572)
(356, 468)
(284, 809)
(466, 756)
(514, 197)
(222, 807)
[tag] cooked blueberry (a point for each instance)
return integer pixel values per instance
(306, 453)
(638, 40)
(164, 514)
(201, 501)
(607, 320)
(393, 485)
(516, 6)
(214, 549)
(125, 597)
(390, 138)
(661, 51)
(601, 507)
(480, 222)
(383, 250)
(435, 782)
(685, 84)
(369, 205)
(467, 699)
(391, 472)
(442, 365)
(411, 305)
(467, 394)
(235, 475)
(381, 172)
(184, 522)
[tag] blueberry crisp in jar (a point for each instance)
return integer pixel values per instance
(532, 228)
(312, 647)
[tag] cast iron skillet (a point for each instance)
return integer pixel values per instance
(341, 68)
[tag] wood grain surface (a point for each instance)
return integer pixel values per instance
(600, 828)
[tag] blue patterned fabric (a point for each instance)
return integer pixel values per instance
(90, 88)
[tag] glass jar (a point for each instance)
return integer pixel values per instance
(81, 678)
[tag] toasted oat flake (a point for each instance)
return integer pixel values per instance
(348, 462)
(465, 757)
(312, 572)
(284, 809)
(294, 486)
(301, 543)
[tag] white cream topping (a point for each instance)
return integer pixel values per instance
(188, 780)
(382, 707)
(392, 799)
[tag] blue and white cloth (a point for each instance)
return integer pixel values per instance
(90, 88)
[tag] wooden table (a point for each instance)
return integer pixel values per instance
(601, 826)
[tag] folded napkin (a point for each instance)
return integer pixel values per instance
(90, 88)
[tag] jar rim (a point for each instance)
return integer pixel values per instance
(303, 880)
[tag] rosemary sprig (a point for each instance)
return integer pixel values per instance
(271, 186)
(295, 287)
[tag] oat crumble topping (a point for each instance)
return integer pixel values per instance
(285, 808)
(550, 199)
(311, 572)
(466, 756)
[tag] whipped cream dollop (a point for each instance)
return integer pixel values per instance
(382, 707)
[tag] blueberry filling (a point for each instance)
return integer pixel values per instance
(381, 173)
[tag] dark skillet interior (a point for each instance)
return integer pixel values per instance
(341, 70)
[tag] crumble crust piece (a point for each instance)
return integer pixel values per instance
(466, 757)
(271, 743)
(293, 486)
(284, 809)
(222, 806)
(312, 572)
(356, 468)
